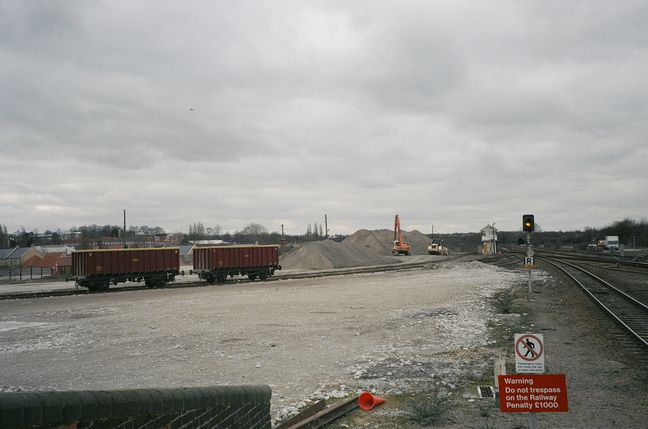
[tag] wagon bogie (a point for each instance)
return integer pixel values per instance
(155, 282)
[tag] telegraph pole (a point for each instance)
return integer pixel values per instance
(124, 228)
(325, 226)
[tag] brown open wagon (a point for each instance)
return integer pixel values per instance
(215, 264)
(97, 269)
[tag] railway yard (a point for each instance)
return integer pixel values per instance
(323, 215)
(423, 334)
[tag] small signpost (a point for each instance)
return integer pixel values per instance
(529, 353)
(531, 391)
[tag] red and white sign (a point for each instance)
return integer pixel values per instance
(533, 393)
(529, 353)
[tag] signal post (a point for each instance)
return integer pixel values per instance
(528, 226)
(531, 390)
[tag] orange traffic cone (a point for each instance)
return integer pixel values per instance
(367, 401)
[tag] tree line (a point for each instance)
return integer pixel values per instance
(251, 233)
(630, 232)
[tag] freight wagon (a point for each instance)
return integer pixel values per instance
(97, 269)
(215, 264)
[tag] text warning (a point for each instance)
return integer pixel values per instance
(533, 393)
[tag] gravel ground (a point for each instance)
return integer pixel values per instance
(416, 337)
(606, 371)
(308, 338)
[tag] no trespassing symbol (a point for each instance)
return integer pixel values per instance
(529, 353)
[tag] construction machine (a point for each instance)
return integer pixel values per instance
(437, 249)
(400, 246)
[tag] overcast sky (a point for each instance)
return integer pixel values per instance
(453, 114)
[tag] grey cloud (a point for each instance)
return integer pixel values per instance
(452, 113)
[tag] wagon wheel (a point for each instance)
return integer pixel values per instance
(211, 279)
(98, 285)
(153, 283)
(263, 276)
(221, 278)
(252, 277)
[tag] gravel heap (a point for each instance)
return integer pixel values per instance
(381, 241)
(317, 255)
(362, 248)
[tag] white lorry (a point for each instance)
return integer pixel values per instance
(612, 243)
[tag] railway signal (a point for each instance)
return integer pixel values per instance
(528, 224)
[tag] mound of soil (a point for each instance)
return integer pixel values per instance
(317, 255)
(364, 247)
(380, 241)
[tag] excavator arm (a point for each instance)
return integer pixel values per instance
(400, 246)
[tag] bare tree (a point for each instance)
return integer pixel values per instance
(196, 231)
(254, 229)
(214, 230)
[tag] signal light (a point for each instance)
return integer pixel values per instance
(528, 224)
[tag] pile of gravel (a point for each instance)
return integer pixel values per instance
(360, 249)
(317, 255)
(381, 241)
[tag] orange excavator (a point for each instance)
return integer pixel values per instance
(400, 246)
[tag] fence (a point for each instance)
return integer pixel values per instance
(201, 408)
(31, 273)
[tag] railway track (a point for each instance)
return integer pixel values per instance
(180, 285)
(608, 263)
(611, 261)
(504, 260)
(627, 310)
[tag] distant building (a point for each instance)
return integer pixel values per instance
(139, 241)
(61, 248)
(489, 240)
(208, 243)
(16, 257)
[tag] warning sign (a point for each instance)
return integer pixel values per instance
(528, 262)
(529, 353)
(533, 393)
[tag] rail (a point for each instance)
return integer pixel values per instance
(584, 257)
(627, 311)
(295, 276)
